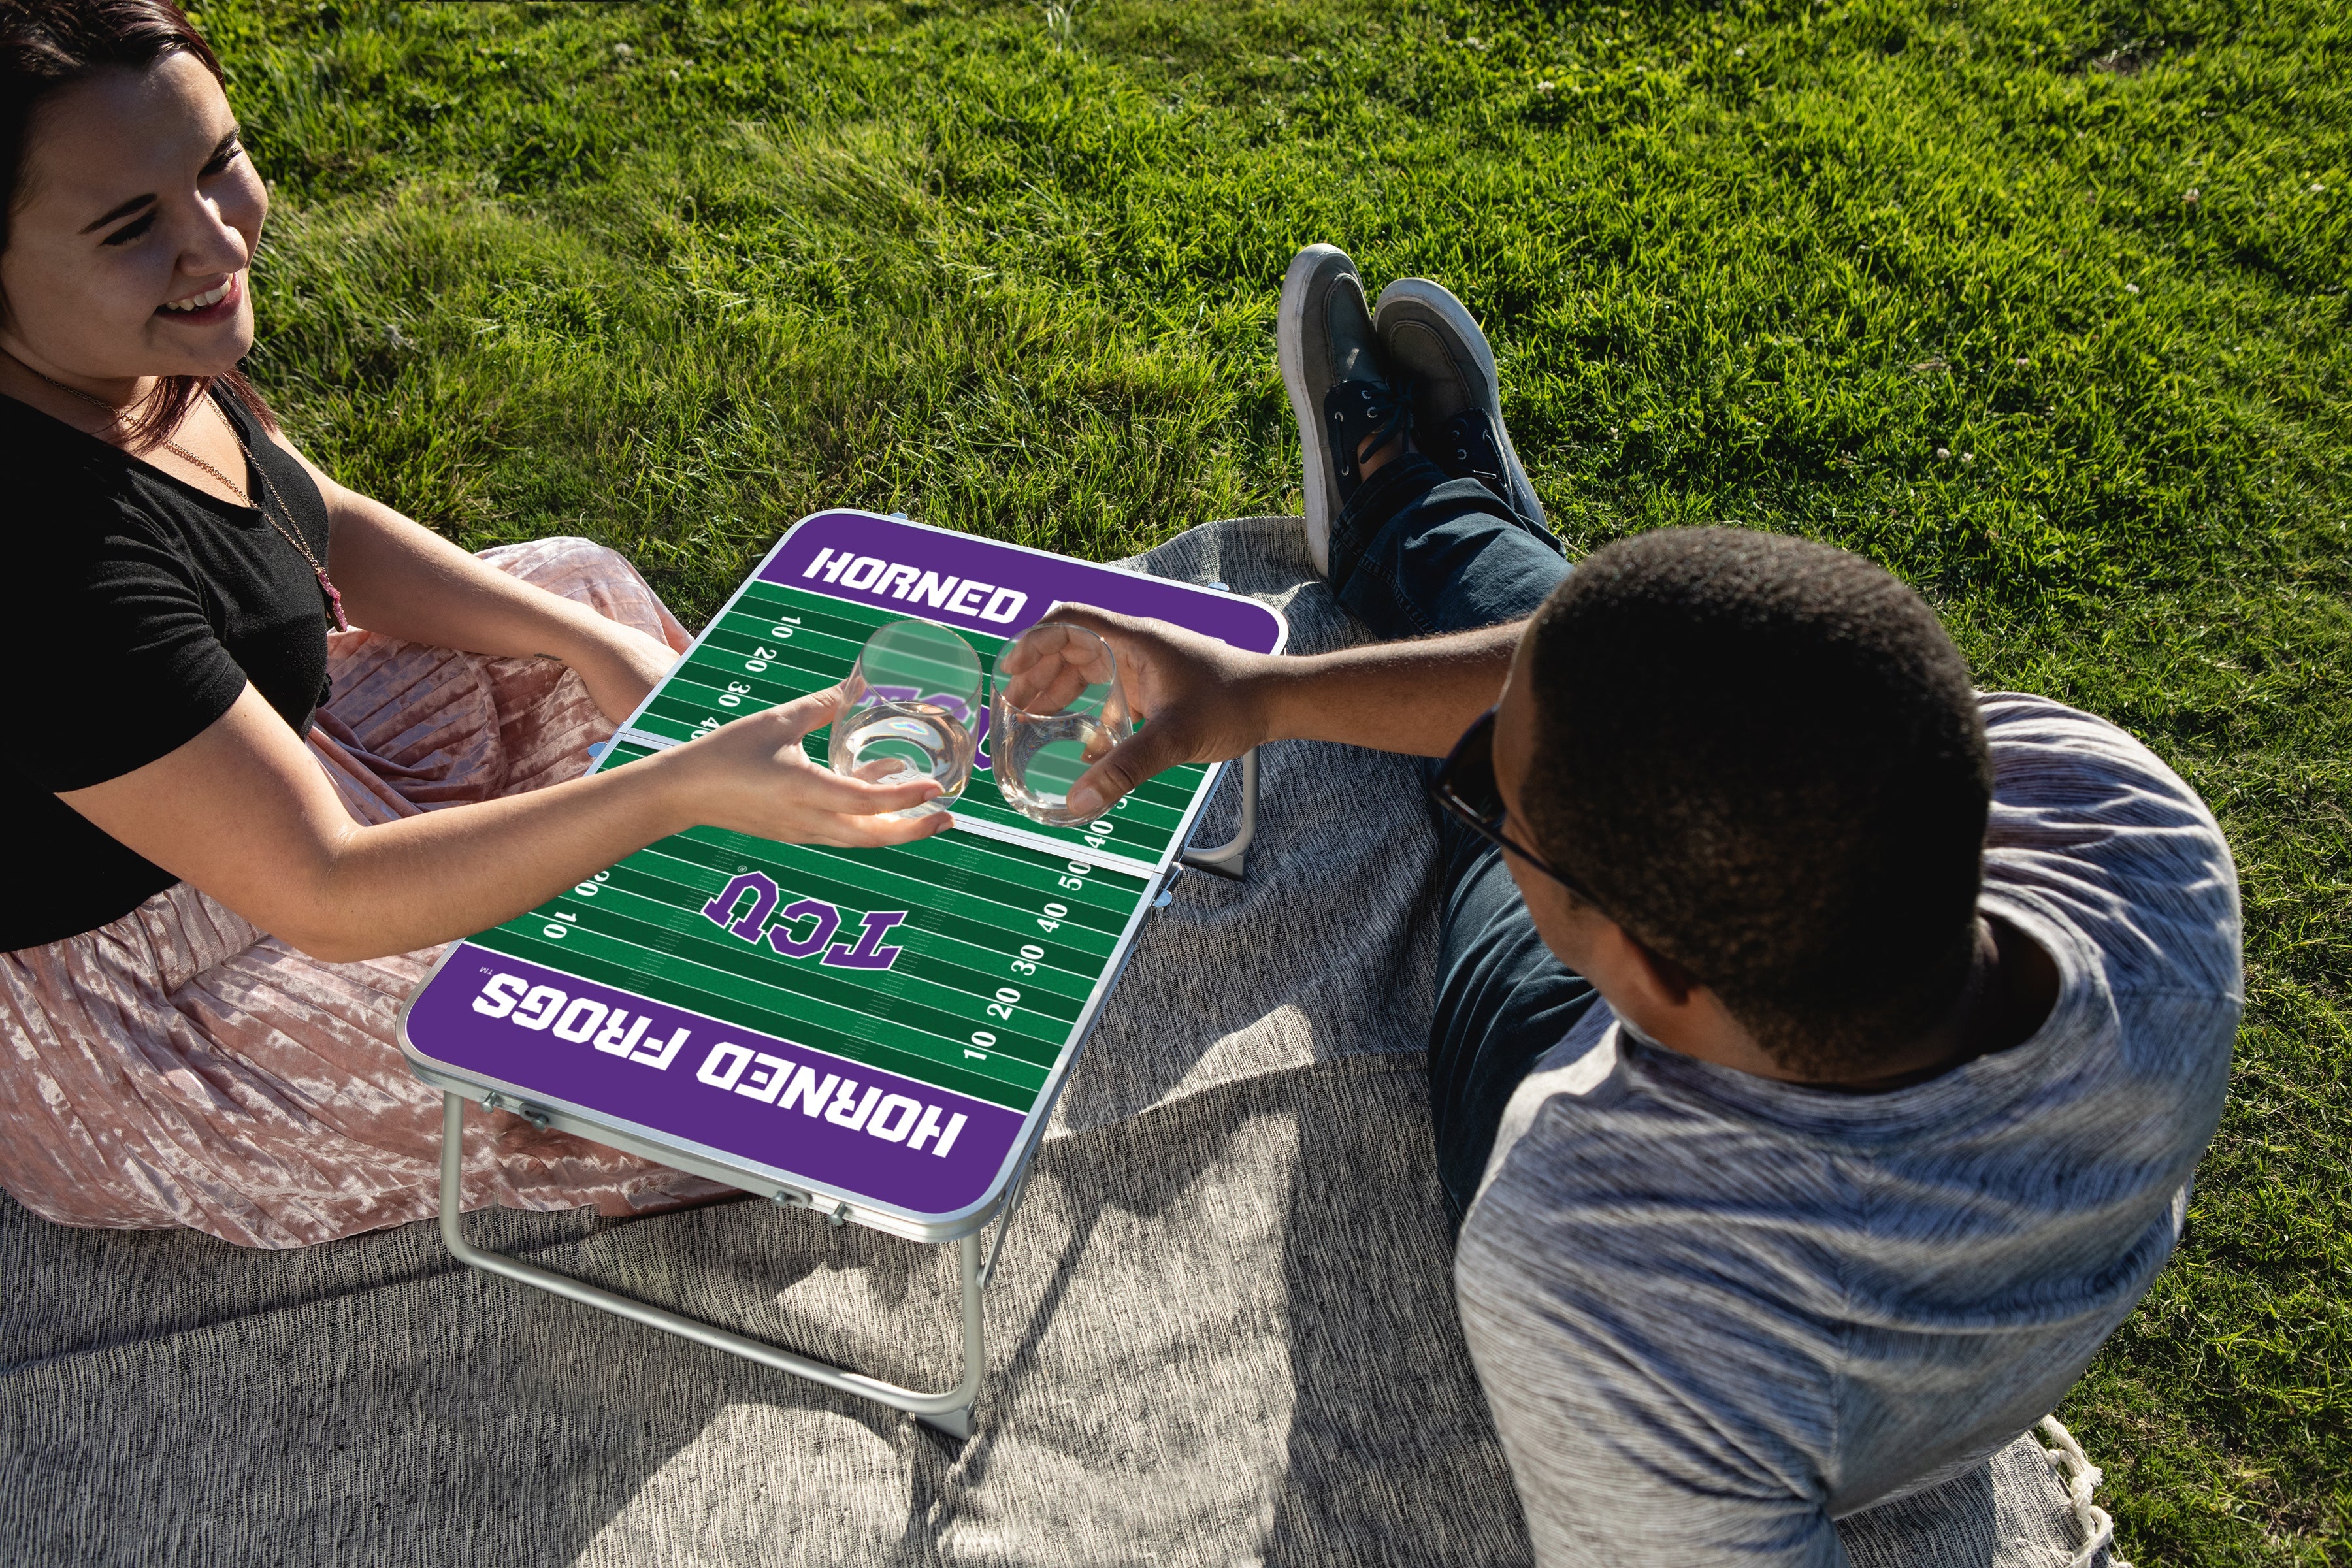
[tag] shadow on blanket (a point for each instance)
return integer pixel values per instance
(1223, 1330)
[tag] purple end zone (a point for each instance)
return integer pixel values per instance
(824, 1119)
(990, 587)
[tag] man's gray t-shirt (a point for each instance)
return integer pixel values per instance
(1715, 1312)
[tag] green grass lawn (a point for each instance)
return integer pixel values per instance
(2040, 304)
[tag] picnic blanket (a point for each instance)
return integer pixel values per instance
(1222, 1330)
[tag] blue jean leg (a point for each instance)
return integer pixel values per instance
(1503, 1000)
(1415, 554)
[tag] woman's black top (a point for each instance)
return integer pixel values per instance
(142, 607)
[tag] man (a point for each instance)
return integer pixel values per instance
(1822, 1051)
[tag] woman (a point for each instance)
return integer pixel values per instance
(242, 834)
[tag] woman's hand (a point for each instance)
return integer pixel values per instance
(619, 664)
(1201, 697)
(751, 776)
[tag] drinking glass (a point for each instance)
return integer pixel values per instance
(913, 706)
(1056, 710)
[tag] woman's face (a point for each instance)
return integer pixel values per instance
(136, 218)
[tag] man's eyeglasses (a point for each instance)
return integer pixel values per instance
(1465, 787)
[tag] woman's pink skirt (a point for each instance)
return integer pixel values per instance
(182, 1068)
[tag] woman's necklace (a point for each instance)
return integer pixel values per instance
(292, 536)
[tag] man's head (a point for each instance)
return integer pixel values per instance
(1764, 758)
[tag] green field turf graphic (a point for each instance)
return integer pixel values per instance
(776, 643)
(1001, 944)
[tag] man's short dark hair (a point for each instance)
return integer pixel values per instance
(1764, 757)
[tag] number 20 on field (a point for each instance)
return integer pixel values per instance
(1007, 998)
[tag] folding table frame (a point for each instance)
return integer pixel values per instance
(951, 1411)
(495, 1086)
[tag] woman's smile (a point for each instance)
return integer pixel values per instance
(217, 303)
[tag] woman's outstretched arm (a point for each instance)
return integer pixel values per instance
(243, 813)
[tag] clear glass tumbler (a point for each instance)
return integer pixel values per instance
(1056, 709)
(914, 709)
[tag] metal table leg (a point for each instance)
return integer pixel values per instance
(950, 1412)
(1229, 858)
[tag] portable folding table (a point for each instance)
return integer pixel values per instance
(876, 1034)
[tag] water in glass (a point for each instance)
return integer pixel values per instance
(913, 701)
(1056, 710)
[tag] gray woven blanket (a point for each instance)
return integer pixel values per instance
(1223, 1332)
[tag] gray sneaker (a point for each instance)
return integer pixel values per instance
(1337, 380)
(1436, 346)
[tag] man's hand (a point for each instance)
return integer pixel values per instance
(1208, 702)
(1202, 700)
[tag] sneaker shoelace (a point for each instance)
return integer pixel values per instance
(1365, 415)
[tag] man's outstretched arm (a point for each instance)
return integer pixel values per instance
(1207, 702)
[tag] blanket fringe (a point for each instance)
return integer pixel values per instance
(2082, 1477)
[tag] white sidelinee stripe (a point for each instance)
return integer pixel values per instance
(1109, 862)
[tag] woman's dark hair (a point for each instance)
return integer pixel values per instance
(48, 46)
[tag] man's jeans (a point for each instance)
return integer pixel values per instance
(1414, 554)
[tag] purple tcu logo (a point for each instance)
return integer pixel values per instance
(790, 938)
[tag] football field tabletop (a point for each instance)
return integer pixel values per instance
(879, 1032)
